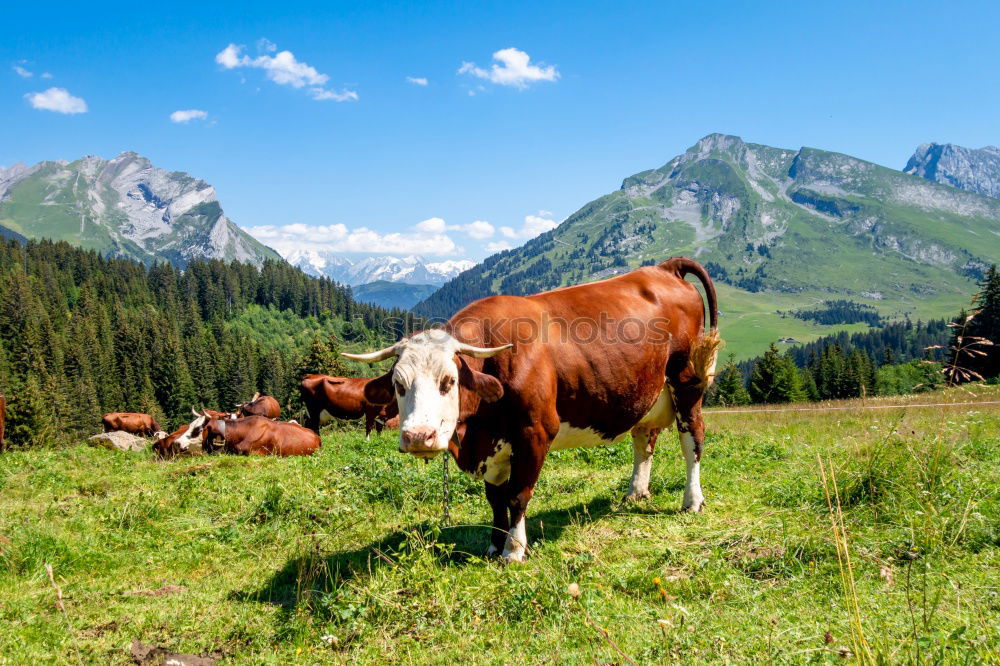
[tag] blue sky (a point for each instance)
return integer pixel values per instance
(609, 89)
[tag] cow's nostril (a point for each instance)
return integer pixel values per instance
(419, 438)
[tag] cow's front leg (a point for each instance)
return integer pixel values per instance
(497, 497)
(525, 466)
(643, 443)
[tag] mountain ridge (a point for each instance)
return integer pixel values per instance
(764, 220)
(124, 207)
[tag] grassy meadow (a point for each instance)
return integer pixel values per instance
(341, 558)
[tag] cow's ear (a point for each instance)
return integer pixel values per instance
(485, 386)
(378, 391)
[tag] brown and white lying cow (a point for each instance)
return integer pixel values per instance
(327, 398)
(586, 365)
(251, 436)
(142, 425)
(259, 405)
(167, 446)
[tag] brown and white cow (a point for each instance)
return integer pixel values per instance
(250, 436)
(259, 405)
(586, 365)
(142, 425)
(327, 398)
(167, 446)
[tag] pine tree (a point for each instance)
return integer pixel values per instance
(986, 324)
(730, 389)
(321, 360)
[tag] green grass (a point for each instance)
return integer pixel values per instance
(276, 554)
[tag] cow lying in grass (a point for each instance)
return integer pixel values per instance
(252, 436)
(509, 379)
(259, 405)
(166, 446)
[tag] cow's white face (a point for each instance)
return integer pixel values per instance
(195, 433)
(425, 381)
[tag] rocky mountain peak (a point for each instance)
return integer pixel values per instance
(975, 170)
(124, 206)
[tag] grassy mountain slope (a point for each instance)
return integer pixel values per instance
(124, 207)
(782, 228)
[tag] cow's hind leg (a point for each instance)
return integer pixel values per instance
(643, 443)
(691, 429)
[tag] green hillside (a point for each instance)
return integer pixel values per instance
(778, 229)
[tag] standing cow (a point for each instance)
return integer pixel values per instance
(142, 425)
(259, 405)
(586, 365)
(327, 398)
(251, 436)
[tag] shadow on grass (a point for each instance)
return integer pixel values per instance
(459, 546)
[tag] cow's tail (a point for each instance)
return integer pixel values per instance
(705, 349)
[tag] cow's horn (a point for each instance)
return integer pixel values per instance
(481, 352)
(372, 357)
(255, 396)
(194, 412)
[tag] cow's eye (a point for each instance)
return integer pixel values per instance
(400, 389)
(446, 384)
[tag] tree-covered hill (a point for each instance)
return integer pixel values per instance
(81, 334)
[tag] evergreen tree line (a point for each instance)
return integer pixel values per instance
(834, 313)
(82, 335)
(900, 358)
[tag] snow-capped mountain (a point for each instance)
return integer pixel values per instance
(406, 270)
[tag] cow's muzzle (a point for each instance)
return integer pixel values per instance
(421, 441)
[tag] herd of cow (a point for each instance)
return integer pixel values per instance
(254, 427)
(507, 380)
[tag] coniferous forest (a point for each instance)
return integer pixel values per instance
(81, 335)
(898, 358)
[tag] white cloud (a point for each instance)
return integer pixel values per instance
(22, 72)
(58, 100)
(342, 96)
(514, 69)
(423, 239)
(187, 116)
(533, 225)
(434, 225)
(417, 80)
(46, 75)
(284, 69)
(480, 230)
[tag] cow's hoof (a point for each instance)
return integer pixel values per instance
(514, 556)
(693, 506)
(636, 496)
(492, 551)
